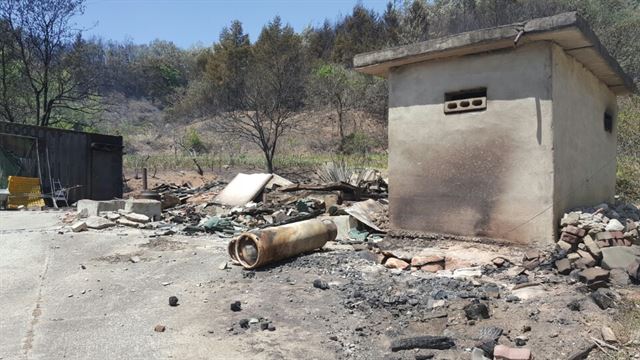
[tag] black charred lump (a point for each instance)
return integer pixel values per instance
(476, 311)
(319, 284)
(422, 342)
(236, 306)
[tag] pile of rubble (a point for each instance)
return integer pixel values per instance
(249, 201)
(600, 242)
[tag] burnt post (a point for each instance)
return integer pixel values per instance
(144, 178)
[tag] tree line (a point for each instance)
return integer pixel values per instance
(52, 75)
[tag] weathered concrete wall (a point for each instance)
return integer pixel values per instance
(584, 153)
(485, 173)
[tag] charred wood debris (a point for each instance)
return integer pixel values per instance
(190, 210)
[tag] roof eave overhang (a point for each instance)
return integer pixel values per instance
(567, 30)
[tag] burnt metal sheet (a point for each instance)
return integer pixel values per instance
(242, 189)
(365, 211)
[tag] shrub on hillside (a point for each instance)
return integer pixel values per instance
(628, 173)
(193, 143)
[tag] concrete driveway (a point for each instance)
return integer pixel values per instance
(79, 296)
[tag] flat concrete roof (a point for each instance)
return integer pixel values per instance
(568, 30)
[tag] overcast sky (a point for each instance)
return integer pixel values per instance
(198, 22)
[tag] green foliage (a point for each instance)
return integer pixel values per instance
(257, 87)
(358, 143)
(617, 24)
(344, 90)
(628, 178)
(193, 143)
(628, 127)
(38, 39)
(359, 32)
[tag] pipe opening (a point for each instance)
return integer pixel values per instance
(231, 249)
(247, 250)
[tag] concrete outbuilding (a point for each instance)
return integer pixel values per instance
(496, 132)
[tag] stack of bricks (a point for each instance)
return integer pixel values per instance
(586, 231)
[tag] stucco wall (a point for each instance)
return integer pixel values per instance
(584, 153)
(487, 173)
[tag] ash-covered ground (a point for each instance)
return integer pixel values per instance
(104, 294)
(366, 307)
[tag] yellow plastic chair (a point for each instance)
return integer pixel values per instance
(24, 191)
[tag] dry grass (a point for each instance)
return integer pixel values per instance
(627, 330)
(214, 162)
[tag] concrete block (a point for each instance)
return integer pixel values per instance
(571, 218)
(563, 266)
(617, 257)
(591, 245)
(127, 222)
(139, 218)
(94, 207)
(112, 216)
(96, 222)
(564, 245)
(608, 335)
(79, 226)
(592, 275)
(148, 207)
(471, 272)
(619, 277)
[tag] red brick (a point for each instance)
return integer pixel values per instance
(574, 230)
(605, 235)
(617, 234)
(395, 263)
(502, 352)
(424, 260)
(570, 238)
(432, 267)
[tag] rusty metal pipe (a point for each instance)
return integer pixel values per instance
(231, 249)
(257, 248)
